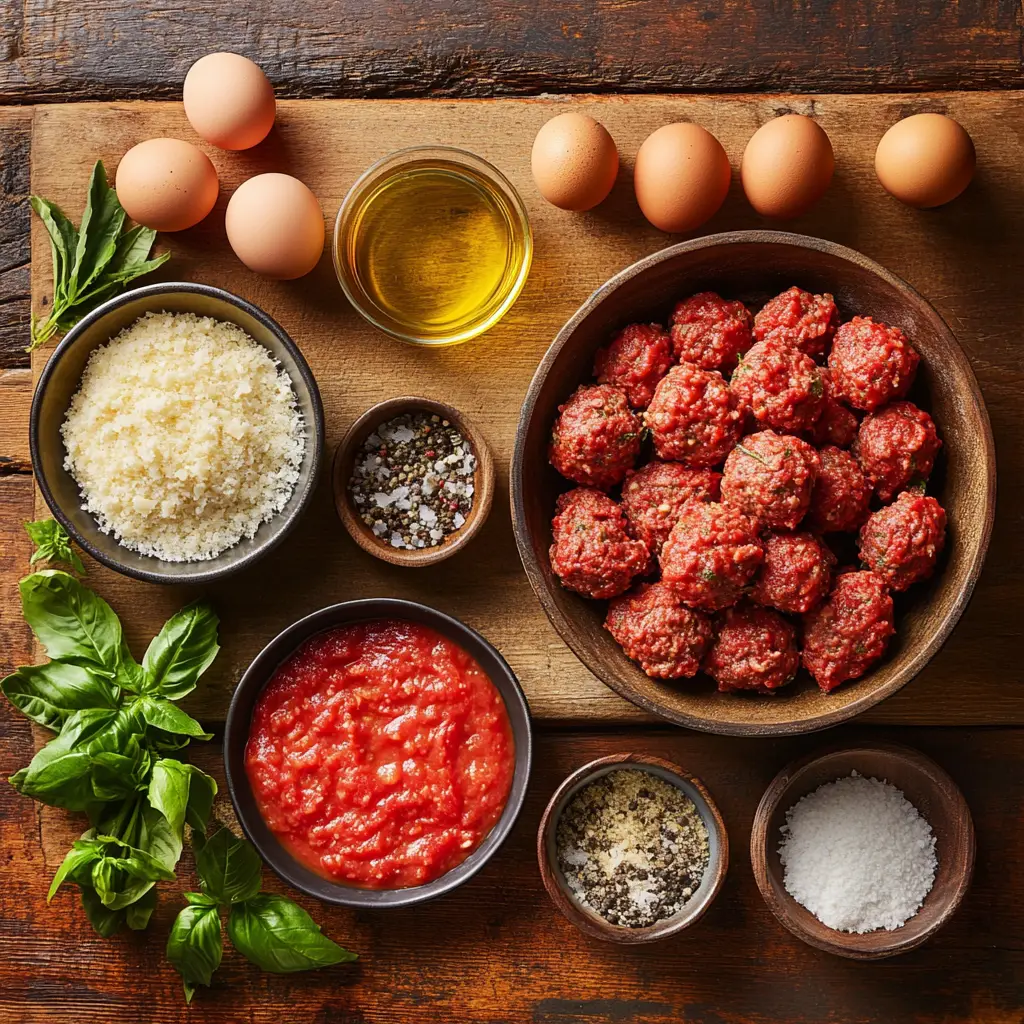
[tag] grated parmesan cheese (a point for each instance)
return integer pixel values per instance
(184, 436)
(858, 855)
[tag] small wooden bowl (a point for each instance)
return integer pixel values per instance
(344, 460)
(593, 924)
(926, 786)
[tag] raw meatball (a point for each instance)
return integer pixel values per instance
(653, 498)
(836, 425)
(755, 650)
(871, 363)
(800, 318)
(896, 446)
(635, 360)
(710, 331)
(841, 495)
(596, 437)
(656, 629)
(711, 554)
(769, 477)
(694, 417)
(797, 572)
(781, 385)
(593, 552)
(850, 631)
(902, 541)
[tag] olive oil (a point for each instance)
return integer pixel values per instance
(437, 249)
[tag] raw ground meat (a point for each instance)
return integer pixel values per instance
(902, 542)
(895, 447)
(797, 572)
(871, 363)
(780, 385)
(800, 318)
(841, 495)
(710, 332)
(635, 360)
(755, 650)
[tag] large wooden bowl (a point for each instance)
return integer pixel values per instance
(754, 265)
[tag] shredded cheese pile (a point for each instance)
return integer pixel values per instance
(183, 437)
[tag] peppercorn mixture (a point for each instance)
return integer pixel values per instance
(632, 847)
(412, 483)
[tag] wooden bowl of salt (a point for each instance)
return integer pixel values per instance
(926, 786)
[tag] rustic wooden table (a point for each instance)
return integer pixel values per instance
(496, 950)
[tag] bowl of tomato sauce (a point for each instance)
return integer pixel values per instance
(377, 753)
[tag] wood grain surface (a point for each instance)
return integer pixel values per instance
(94, 49)
(965, 257)
(497, 951)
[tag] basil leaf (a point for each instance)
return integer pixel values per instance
(200, 899)
(181, 652)
(278, 935)
(137, 915)
(82, 854)
(52, 544)
(71, 621)
(49, 694)
(104, 920)
(201, 791)
(116, 776)
(195, 946)
(230, 868)
(61, 773)
(63, 243)
(98, 232)
(168, 791)
(162, 714)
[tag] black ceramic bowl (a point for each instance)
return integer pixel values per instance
(60, 379)
(260, 672)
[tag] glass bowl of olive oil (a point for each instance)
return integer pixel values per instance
(432, 245)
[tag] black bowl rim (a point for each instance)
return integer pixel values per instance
(308, 380)
(258, 674)
(856, 705)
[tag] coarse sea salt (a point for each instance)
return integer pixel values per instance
(858, 855)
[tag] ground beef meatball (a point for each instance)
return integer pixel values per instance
(769, 477)
(657, 630)
(593, 552)
(694, 417)
(841, 495)
(710, 331)
(635, 360)
(797, 572)
(596, 437)
(896, 446)
(849, 632)
(901, 542)
(755, 650)
(836, 425)
(653, 498)
(871, 363)
(780, 385)
(804, 320)
(711, 554)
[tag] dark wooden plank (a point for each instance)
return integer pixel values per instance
(496, 950)
(101, 50)
(15, 135)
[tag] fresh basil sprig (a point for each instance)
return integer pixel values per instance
(53, 545)
(94, 262)
(116, 722)
(273, 932)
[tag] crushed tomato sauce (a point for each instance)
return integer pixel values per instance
(380, 754)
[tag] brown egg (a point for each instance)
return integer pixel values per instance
(166, 184)
(787, 166)
(275, 225)
(681, 176)
(574, 161)
(229, 100)
(925, 160)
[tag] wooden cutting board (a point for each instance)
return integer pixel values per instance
(966, 258)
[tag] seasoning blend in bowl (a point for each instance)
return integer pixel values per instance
(632, 849)
(864, 852)
(413, 481)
